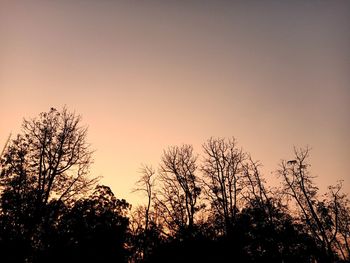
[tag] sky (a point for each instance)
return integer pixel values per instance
(146, 75)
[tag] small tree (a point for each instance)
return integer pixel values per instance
(146, 184)
(141, 216)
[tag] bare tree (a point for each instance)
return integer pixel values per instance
(146, 184)
(254, 191)
(44, 170)
(177, 198)
(299, 186)
(51, 158)
(344, 225)
(334, 212)
(222, 168)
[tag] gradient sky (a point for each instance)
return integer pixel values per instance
(149, 74)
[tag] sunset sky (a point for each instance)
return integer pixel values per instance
(149, 74)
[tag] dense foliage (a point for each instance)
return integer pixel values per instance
(213, 207)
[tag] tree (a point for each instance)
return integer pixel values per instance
(222, 169)
(177, 199)
(344, 226)
(141, 216)
(146, 184)
(52, 155)
(298, 185)
(48, 163)
(95, 229)
(145, 242)
(262, 235)
(256, 193)
(335, 215)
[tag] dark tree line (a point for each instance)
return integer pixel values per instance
(208, 207)
(217, 207)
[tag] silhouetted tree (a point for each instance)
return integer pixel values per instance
(46, 164)
(95, 229)
(344, 226)
(145, 242)
(334, 213)
(178, 196)
(271, 236)
(141, 217)
(222, 169)
(146, 184)
(298, 185)
(255, 192)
